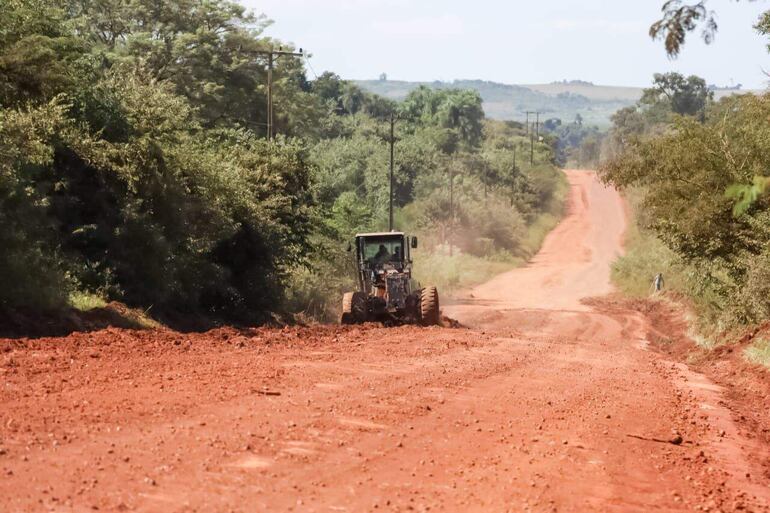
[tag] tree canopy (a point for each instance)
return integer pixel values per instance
(675, 93)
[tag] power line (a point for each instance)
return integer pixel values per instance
(307, 60)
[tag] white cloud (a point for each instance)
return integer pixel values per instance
(436, 26)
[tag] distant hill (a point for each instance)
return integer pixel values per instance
(564, 100)
(502, 101)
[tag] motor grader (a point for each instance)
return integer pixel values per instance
(387, 292)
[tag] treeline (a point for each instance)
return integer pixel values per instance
(696, 170)
(134, 164)
(576, 144)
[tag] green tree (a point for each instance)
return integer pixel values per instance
(457, 112)
(672, 92)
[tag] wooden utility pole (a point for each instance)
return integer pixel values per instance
(272, 56)
(270, 61)
(392, 144)
(535, 132)
(513, 176)
(528, 113)
(451, 204)
(531, 149)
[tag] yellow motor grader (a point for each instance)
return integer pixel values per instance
(387, 292)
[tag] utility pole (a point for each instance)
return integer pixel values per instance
(513, 175)
(531, 149)
(451, 204)
(536, 130)
(392, 144)
(270, 60)
(272, 56)
(528, 113)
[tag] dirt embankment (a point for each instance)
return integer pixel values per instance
(546, 403)
(744, 387)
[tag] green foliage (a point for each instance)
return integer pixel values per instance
(458, 112)
(745, 195)
(31, 267)
(688, 175)
(495, 203)
(454, 273)
(672, 92)
(576, 144)
(645, 257)
(40, 57)
(670, 96)
(679, 18)
(563, 100)
(759, 352)
(126, 165)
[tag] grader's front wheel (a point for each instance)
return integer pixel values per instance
(353, 308)
(429, 307)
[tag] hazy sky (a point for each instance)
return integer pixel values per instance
(514, 41)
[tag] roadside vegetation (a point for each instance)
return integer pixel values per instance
(134, 167)
(461, 271)
(690, 166)
(690, 162)
(759, 352)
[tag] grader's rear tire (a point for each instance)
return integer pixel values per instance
(429, 307)
(353, 308)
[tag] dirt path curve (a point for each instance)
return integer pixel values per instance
(545, 405)
(573, 263)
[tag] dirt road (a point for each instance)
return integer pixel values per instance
(546, 404)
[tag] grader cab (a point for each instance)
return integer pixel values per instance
(387, 292)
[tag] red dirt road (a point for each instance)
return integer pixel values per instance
(546, 404)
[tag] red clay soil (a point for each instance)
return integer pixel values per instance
(745, 387)
(547, 403)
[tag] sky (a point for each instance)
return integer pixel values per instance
(513, 41)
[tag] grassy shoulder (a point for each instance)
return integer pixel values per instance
(459, 271)
(646, 256)
(759, 352)
(93, 309)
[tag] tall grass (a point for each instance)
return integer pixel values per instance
(85, 301)
(646, 256)
(759, 352)
(460, 271)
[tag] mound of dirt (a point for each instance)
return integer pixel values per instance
(20, 323)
